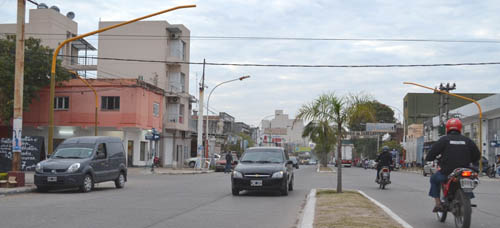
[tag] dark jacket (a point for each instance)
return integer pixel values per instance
(384, 159)
(456, 151)
(229, 158)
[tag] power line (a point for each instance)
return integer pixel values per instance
(277, 38)
(302, 65)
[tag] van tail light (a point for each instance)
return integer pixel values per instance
(466, 173)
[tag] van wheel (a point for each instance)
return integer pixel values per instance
(88, 184)
(120, 181)
(42, 189)
(192, 164)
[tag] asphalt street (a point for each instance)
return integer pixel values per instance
(205, 200)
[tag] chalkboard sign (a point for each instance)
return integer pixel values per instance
(32, 151)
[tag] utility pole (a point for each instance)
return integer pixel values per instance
(200, 119)
(18, 88)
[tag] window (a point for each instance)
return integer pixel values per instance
(183, 49)
(110, 103)
(101, 151)
(183, 82)
(61, 103)
(181, 113)
(156, 109)
(144, 148)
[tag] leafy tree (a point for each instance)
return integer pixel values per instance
(383, 114)
(392, 145)
(37, 63)
(365, 147)
(330, 115)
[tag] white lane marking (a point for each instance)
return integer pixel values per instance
(307, 219)
(387, 210)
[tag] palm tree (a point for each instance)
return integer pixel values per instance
(329, 115)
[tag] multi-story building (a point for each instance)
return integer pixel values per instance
(167, 46)
(220, 131)
(282, 131)
(52, 28)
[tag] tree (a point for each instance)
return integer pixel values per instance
(330, 115)
(37, 63)
(383, 114)
(366, 147)
(321, 133)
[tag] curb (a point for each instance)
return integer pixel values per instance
(307, 217)
(388, 211)
(18, 191)
(178, 173)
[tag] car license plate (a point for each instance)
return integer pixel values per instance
(51, 179)
(467, 184)
(255, 183)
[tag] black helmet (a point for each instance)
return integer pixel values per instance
(385, 149)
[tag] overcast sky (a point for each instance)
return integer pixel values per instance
(288, 88)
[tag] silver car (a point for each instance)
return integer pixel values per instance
(429, 168)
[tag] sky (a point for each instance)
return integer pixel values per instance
(288, 89)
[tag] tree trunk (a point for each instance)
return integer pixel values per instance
(339, 159)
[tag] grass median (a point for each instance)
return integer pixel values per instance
(325, 169)
(349, 210)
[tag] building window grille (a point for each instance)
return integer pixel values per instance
(61, 103)
(110, 103)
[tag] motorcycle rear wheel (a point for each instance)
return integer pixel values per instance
(462, 210)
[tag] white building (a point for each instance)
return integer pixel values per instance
(282, 131)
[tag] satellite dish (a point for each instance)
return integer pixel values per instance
(42, 6)
(55, 8)
(70, 15)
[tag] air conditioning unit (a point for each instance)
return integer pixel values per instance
(173, 100)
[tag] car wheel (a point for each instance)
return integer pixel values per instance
(284, 190)
(42, 189)
(290, 186)
(88, 184)
(120, 181)
(192, 164)
(235, 191)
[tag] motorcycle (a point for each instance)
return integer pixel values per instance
(384, 177)
(457, 192)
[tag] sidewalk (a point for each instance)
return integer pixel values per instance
(29, 186)
(167, 171)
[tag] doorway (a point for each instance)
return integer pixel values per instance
(130, 153)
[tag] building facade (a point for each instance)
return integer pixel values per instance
(282, 131)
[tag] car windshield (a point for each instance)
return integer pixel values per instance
(263, 156)
(73, 151)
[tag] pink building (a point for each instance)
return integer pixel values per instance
(127, 108)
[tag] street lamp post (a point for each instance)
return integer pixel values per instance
(208, 103)
(54, 59)
(480, 117)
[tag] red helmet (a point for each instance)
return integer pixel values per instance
(453, 124)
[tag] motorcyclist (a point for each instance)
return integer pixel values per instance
(456, 151)
(383, 159)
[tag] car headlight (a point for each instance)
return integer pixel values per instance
(39, 168)
(73, 168)
(278, 174)
(237, 174)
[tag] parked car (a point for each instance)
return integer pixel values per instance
(191, 162)
(220, 165)
(313, 162)
(372, 164)
(295, 162)
(82, 162)
(263, 168)
(429, 168)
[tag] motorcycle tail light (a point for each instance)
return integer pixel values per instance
(466, 173)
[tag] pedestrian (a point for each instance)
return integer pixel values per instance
(229, 161)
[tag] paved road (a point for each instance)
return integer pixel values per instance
(407, 197)
(178, 201)
(205, 200)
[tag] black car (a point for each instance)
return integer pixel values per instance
(263, 168)
(82, 162)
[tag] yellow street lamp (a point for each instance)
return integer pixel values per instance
(480, 117)
(54, 58)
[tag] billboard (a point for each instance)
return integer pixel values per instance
(381, 127)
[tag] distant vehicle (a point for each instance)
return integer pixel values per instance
(313, 162)
(347, 155)
(263, 168)
(372, 164)
(191, 162)
(220, 165)
(82, 162)
(429, 168)
(295, 162)
(304, 162)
